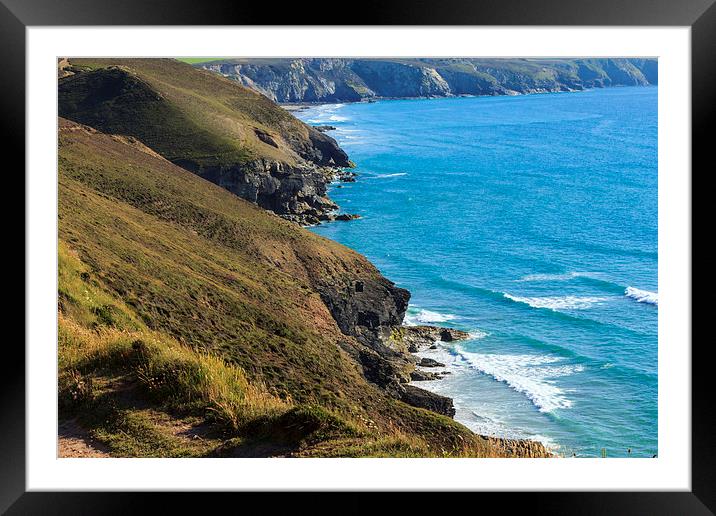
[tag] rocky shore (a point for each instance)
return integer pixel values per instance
(413, 339)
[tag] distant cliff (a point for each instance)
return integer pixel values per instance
(350, 80)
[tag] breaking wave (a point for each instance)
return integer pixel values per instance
(555, 277)
(558, 303)
(384, 176)
(416, 316)
(531, 375)
(642, 296)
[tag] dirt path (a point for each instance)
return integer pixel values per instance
(75, 441)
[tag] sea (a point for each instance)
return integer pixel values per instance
(531, 222)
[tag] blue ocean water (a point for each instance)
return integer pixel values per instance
(530, 221)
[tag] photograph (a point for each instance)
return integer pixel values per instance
(344, 257)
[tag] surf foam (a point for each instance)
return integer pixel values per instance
(554, 277)
(642, 296)
(531, 375)
(558, 302)
(385, 176)
(416, 316)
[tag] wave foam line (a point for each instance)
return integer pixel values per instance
(386, 176)
(558, 303)
(416, 316)
(531, 375)
(566, 276)
(642, 296)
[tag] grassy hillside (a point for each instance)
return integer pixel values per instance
(186, 311)
(185, 114)
(209, 125)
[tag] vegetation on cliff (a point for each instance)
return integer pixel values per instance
(209, 125)
(341, 80)
(194, 323)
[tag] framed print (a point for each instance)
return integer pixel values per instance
(437, 249)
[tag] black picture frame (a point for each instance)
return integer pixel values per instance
(700, 15)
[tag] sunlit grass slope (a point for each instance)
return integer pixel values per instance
(186, 311)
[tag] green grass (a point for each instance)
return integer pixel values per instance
(207, 307)
(179, 302)
(193, 117)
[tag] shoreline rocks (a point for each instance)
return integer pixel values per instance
(429, 362)
(403, 341)
(421, 398)
(324, 128)
(418, 338)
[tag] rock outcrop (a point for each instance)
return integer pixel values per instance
(351, 80)
(429, 400)
(429, 362)
(250, 146)
(369, 308)
(418, 338)
(296, 193)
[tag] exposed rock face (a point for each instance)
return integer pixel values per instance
(429, 400)
(295, 193)
(389, 79)
(423, 376)
(520, 447)
(396, 344)
(368, 309)
(417, 338)
(429, 362)
(253, 148)
(297, 80)
(350, 80)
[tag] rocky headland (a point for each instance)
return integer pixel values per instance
(316, 80)
(154, 179)
(250, 146)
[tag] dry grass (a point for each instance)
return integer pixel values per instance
(177, 297)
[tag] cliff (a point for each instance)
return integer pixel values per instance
(350, 80)
(214, 127)
(194, 323)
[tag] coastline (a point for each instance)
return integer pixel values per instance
(427, 345)
(293, 107)
(522, 381)
(414, 339)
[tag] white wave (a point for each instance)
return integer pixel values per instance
(558, 303)
(642, 296)
(328, 108)
(478, 334)
(323, 113)
(554, 277)
(416, 316)
(489, 423)
(384, 176)
(531, 375)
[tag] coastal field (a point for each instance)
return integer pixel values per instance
(447, 277)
